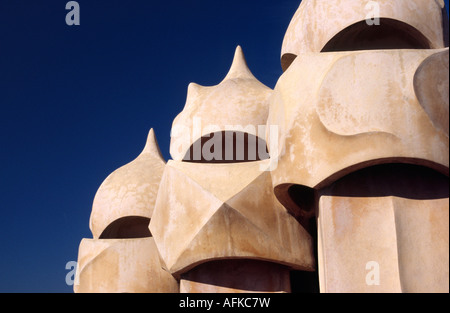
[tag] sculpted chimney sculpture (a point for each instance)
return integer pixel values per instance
(334, 181)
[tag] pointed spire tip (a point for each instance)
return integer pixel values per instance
(151, 145)
(239, 67)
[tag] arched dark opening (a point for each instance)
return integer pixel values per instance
(299, 201)
(390, 34)
(393, 179)
(128, 227)
(227, 147)
(248, 275)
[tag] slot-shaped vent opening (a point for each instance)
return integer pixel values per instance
(227, 147)
(128, 227)
(389, 34)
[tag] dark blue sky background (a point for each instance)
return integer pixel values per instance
(76, 103)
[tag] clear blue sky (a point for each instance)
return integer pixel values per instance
(77, 103)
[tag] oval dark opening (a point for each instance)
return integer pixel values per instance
(128, 227)
(227, 147)
(399, 180)
(390, 34)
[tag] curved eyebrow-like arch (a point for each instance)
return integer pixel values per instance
(390, 34)
(128, 227)
(233, 147)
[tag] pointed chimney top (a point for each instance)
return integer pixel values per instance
(239, 68)
(151, 146)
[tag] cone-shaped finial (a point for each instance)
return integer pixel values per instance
(130, 190)
(239, 68)
(152, 146)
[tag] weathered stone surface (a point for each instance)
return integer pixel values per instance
(325, 130)
(431, 88)
(229, 213)
(121, 266)
(394, 216)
